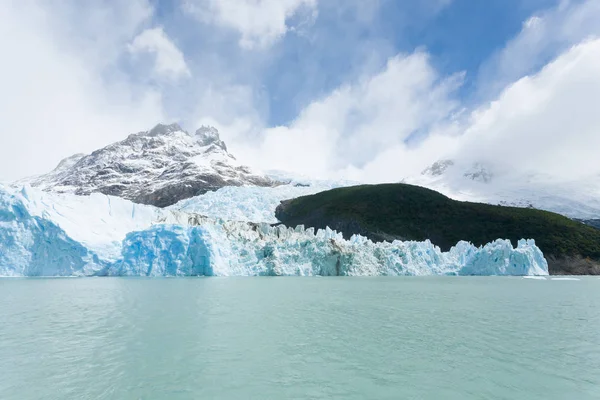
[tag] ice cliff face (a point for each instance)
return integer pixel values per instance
(35, 246)
(233, 249)
(41, 236)
(159, 167)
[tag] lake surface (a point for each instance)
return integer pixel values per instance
(300, 338)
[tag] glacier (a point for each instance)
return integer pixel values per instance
(252, 203)
(45, 234)
(239, 249)
(34, 246)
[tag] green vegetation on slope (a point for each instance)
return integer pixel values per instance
(385, 212)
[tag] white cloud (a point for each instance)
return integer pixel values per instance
(547, 122)
(259, 22)
(233, 110)
(60, 94)
(543, 37)
(169, 62)
(351, 126)
(544, 124)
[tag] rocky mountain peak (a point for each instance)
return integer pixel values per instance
(207, 135)
(479, 173)
(68, 162)
(438, 168)
(162, 129)
(160, 167)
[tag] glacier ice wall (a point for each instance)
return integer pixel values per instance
(34, 246)
(100, 235)
(251, 203)
(240, 249)
(97, 221)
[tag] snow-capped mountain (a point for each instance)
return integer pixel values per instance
(484, 183)
(159, 167)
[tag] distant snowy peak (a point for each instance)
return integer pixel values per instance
(478, 172)
(207, 135)
(160, 167)
(486, 183)
(438, 168)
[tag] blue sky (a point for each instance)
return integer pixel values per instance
(459, 35)
(344, 39)
(368, 90)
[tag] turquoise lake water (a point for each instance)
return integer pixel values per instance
(300, 338)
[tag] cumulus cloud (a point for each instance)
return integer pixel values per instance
(355, 123)
(259, 22)
(391, 124)
(65, 93)
(60, 93)
(544, 125)
(547, 122)
(169, 61)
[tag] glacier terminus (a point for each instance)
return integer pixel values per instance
(62, 234)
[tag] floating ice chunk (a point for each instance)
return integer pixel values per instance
(565, 279)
